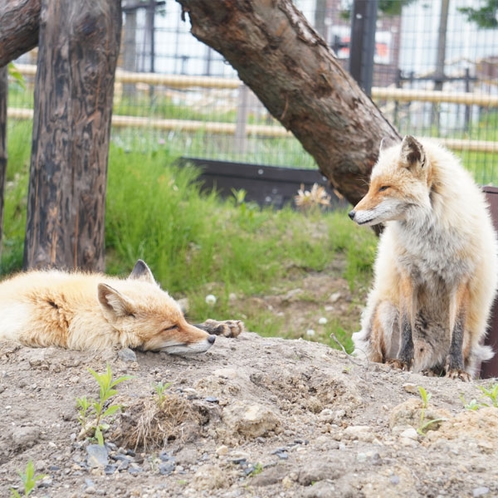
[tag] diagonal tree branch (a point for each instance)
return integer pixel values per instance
(300, 81)
(19, 28)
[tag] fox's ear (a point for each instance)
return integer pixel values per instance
(412, 152)
(142, 272)
(114, 304)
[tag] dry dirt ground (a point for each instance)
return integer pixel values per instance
(255, 417)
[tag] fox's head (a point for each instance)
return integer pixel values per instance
(147, 318)
(400, 183)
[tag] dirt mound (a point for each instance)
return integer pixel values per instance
(252, 417)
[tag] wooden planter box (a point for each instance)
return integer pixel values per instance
(490, 368)
(265, 185)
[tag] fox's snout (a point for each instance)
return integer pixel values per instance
(352, 214)
(211, 339)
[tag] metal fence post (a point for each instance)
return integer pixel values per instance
(362, 45)
(240, 142)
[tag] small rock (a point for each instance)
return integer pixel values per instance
(310, 332)
(46, 482)
(222, 450)
(166, 468)
(322, 489)
(110, 469)
(24, 437)
(250, 419)
(485, 446)
(226, 373)
(359, 432)
(410, 388)
(410, 433)
(281, 453)
(292, 294)
(210, 477)
(335, 297)
(97, 456)
(135, 469)
(322, 320)
(212, 399)
(287, 482)
(127, 354)
(480, 491)
(89, 486)
(269, 476)
(165, 457)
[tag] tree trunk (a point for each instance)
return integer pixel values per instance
(19, 27)
(299, 80)
(78, 51)
(3, 143)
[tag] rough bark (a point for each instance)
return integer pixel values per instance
(79, 45)
(19, 28)
(299, 80)
(3, 143)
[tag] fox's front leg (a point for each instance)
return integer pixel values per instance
(455, 367)
(227, 328)
(408, 304)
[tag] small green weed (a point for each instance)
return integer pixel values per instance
(257, 469)
(97, 408)
(29, 480)
(425, 424)
(471, 405)
(491, 394)
(160, 389)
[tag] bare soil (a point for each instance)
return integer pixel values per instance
(259, 417)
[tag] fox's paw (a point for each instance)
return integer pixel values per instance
(399, 364)
(227, 328)
(458, 374)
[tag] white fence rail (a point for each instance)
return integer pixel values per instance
(241, 128)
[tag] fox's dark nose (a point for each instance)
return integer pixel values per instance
(211, 339)
(351, 214)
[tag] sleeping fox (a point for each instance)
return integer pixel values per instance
(93, 311)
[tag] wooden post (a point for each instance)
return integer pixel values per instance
(73, 104)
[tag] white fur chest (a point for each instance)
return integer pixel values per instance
(427, 251)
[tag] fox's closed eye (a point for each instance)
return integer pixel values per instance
(384, 187)
(173, 327)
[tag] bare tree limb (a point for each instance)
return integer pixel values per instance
(19, 28)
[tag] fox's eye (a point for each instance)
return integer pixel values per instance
(384, 187)
(173, 327)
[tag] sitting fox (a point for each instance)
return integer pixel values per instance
(93, 311)
(436, 266)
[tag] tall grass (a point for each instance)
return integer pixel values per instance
(157, 212)
(19, 149)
